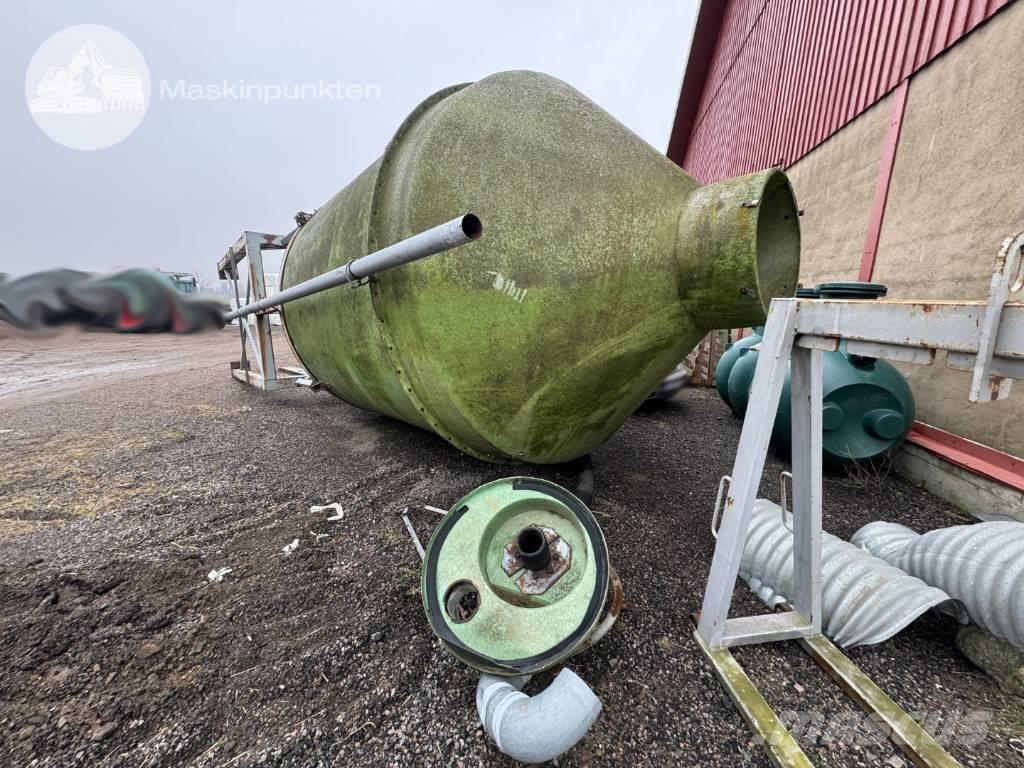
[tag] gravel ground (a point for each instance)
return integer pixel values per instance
(134, 465)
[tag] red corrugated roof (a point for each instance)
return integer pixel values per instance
(769, 80)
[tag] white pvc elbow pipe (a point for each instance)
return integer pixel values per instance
(535, 729)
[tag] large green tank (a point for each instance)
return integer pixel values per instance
(600, 266)
(728, 360)
(867, 405)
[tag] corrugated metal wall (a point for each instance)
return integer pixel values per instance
(786, 74)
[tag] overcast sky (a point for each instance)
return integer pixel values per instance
(176, 192)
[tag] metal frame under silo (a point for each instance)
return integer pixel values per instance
(986, 338)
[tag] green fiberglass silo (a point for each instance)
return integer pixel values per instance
(600, 266)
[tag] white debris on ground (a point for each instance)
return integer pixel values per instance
(339, 513)
(289, 548)
(216, 576)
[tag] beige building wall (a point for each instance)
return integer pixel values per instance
(834, 186)
(957, 191)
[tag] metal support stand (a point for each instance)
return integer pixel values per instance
(254, 330)
(986, 338)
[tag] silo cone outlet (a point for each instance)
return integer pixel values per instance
(601, 264)
(515, 576)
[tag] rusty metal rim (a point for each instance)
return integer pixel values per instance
(618, 601)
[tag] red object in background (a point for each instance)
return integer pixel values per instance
(892, 140)
(128, 320)
(975, 457)
(769, 80)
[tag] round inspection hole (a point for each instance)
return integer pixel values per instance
(461, 601)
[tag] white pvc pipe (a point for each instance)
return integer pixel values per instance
(535, 729)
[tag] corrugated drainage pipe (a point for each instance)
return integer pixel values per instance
(864, 600)
(535, 729)
(981, 565)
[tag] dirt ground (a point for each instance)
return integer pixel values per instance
(133, 466)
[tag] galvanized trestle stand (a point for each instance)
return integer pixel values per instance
(254, 329)
(984, 337)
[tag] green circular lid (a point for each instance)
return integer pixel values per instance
(851, 290)
(492, 611)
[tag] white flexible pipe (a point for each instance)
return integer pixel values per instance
(535, 729)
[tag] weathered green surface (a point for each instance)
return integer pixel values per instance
(600, 266)
(914, 741)
(508, 623)
(776, 740)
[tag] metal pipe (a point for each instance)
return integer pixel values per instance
(980, 565)
(864, 599)
(443, 237)
(412, 534)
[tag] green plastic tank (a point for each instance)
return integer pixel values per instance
(728, 360)
(600, 266)
(867, 407)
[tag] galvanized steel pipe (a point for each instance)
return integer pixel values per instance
(443, 237)
(980, 565)
(864, 600)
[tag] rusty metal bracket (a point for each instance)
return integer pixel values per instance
(1007, 278)
(353, 281)
(538, 582)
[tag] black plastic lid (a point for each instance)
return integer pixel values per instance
(850, 290)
